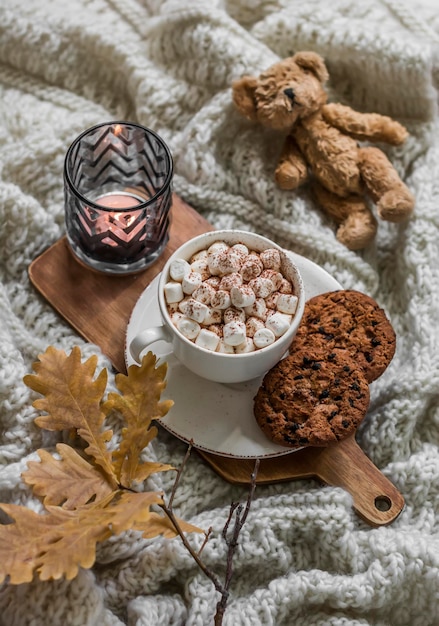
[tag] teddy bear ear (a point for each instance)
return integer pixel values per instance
(314, 63)
(243, 94)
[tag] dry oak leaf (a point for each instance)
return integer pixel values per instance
(58, 543)
(69, 481)
(139, 403)
(72, 399)
(84, 500)
(159, 525)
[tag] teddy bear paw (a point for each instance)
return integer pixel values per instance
(396, 205)
(357, 231)
(288, 176)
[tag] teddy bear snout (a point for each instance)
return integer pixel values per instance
(289, 92)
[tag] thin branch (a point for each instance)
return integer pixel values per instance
(187, 545)
(238, 514)
(233, 507)
(206, 539)
(179, 473)
(232, 542)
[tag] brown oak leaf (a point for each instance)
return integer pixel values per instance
(87, 498)
(139, 403)
(58, 543)
(70, 481)
(72, 399)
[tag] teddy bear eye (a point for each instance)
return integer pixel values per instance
(289, 92)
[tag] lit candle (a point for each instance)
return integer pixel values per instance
(118, 200)
(118, 190)
(116, 223)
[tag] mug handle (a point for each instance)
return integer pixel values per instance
(146, 338)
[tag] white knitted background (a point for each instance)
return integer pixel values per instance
(305, 558)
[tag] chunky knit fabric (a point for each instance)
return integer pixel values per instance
(305, 558)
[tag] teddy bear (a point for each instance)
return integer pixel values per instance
(322, 140)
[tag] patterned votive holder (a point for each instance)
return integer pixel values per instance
(118, 196)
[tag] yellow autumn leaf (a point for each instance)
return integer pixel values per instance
(58, 543)
(138, 403)
(69, 481)
(160, 525)
(72, 399)
(86, 499)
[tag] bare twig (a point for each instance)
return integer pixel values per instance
(187, 545)
(240, 517)
(179, 473)
(238, 514)
(206, 539)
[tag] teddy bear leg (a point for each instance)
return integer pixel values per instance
(292, 169)
(393, 199)
(356, 224)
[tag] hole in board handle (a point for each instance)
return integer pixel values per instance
(383, 503)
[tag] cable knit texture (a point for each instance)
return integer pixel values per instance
(305, 557)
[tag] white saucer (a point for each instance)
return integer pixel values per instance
(218, 418)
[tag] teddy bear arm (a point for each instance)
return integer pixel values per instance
(292, 168)
(364, 126)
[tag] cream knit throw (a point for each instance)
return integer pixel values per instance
(305, 558)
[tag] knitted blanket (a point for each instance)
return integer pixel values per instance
(304, 556)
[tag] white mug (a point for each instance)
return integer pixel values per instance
(216, 366)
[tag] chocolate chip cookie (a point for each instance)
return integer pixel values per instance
(350, 320)
(313, 397)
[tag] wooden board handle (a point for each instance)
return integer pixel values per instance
(345, 465)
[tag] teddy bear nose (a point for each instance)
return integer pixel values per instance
(289, 93)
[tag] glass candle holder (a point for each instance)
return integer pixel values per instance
(118, 196)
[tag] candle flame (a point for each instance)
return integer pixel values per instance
(117, 129)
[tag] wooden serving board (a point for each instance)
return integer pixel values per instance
(99, 306)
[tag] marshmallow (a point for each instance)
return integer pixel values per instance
(213, 263)
(201, 266)
(194, 310)
(234, 315)
(275, 277)
(224, 348)
(228, 262)
(241, 249)
(252, 325)
(264, 337)
(246, 346)
(217, 246)
(207, 339)
(242, 296)
(189, 328)
(175, 317)
(204, 293)
(191, 281)
(213, 316)
(234, 333)
(213, 281)
(286, 286)
(287, 303)
(221, 299)
(200, 255)
(178, 269)
(173, 292)
(270, 258)
(230, 280)
(257, 309)
(278, 323)
(262, 287)
(271, 300)
(217, 329)
(251, 267)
